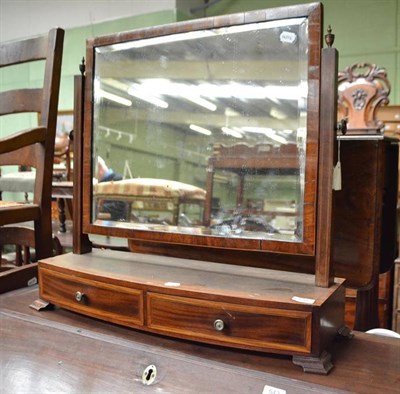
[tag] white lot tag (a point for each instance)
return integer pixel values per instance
(337, 173)
(303, 300)
(337, 177)
(172, 284)
(273, 390)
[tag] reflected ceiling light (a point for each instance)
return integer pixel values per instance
(114, 83)
(243, 91)
(277, 114)
(264, 25)
(198, 93)
(267, 132)
(189, 92)
(231, 132)
(271, 134)
(140, 94)
(231, 112)
(258, 130)
(214, 90)
(200, 130)
(162, 86)
(114, 97)
(200, 101)
(156, 41)
(297, 92)
(136, 91)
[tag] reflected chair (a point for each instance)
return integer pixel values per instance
(33, 147)
(63, 158)
(62, 187)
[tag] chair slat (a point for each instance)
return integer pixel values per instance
(22, 100)
(12, 235)
(30, 156)
(23, 51)
(23, 213)
(22, 138)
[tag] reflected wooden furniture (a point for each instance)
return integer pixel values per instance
(62, 185)
(63, 192)
(33, 147)
(244, 160)
(367, 364)
(148, 200)
(365, 220)
(63, 157)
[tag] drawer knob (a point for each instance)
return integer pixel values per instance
(219, 325)
(79, 296)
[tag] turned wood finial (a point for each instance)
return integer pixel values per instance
(82, 66)
(329, 38)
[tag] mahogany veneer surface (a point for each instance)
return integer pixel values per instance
(258, 309)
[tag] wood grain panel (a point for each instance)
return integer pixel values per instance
(249, 327)
(102, 300)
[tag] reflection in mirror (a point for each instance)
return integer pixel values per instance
(207, 130)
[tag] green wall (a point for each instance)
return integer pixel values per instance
(367, 31)
(75, 44)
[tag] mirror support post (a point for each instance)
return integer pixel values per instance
(327, 145)
(81, 242)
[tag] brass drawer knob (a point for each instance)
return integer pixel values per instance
(219, 325)
(79, 296)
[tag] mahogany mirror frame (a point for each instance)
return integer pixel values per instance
(303, 256)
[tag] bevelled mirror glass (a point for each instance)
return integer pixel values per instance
(206, 130)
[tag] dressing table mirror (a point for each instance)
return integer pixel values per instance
(209, 128)
(222, 131)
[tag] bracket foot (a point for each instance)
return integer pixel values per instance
(319, 365)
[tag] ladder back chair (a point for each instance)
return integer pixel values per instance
(33, 147)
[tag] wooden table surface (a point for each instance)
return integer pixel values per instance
(62, 189)
(57, 351)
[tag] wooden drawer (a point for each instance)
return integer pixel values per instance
(244, 326)
(113, 303)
